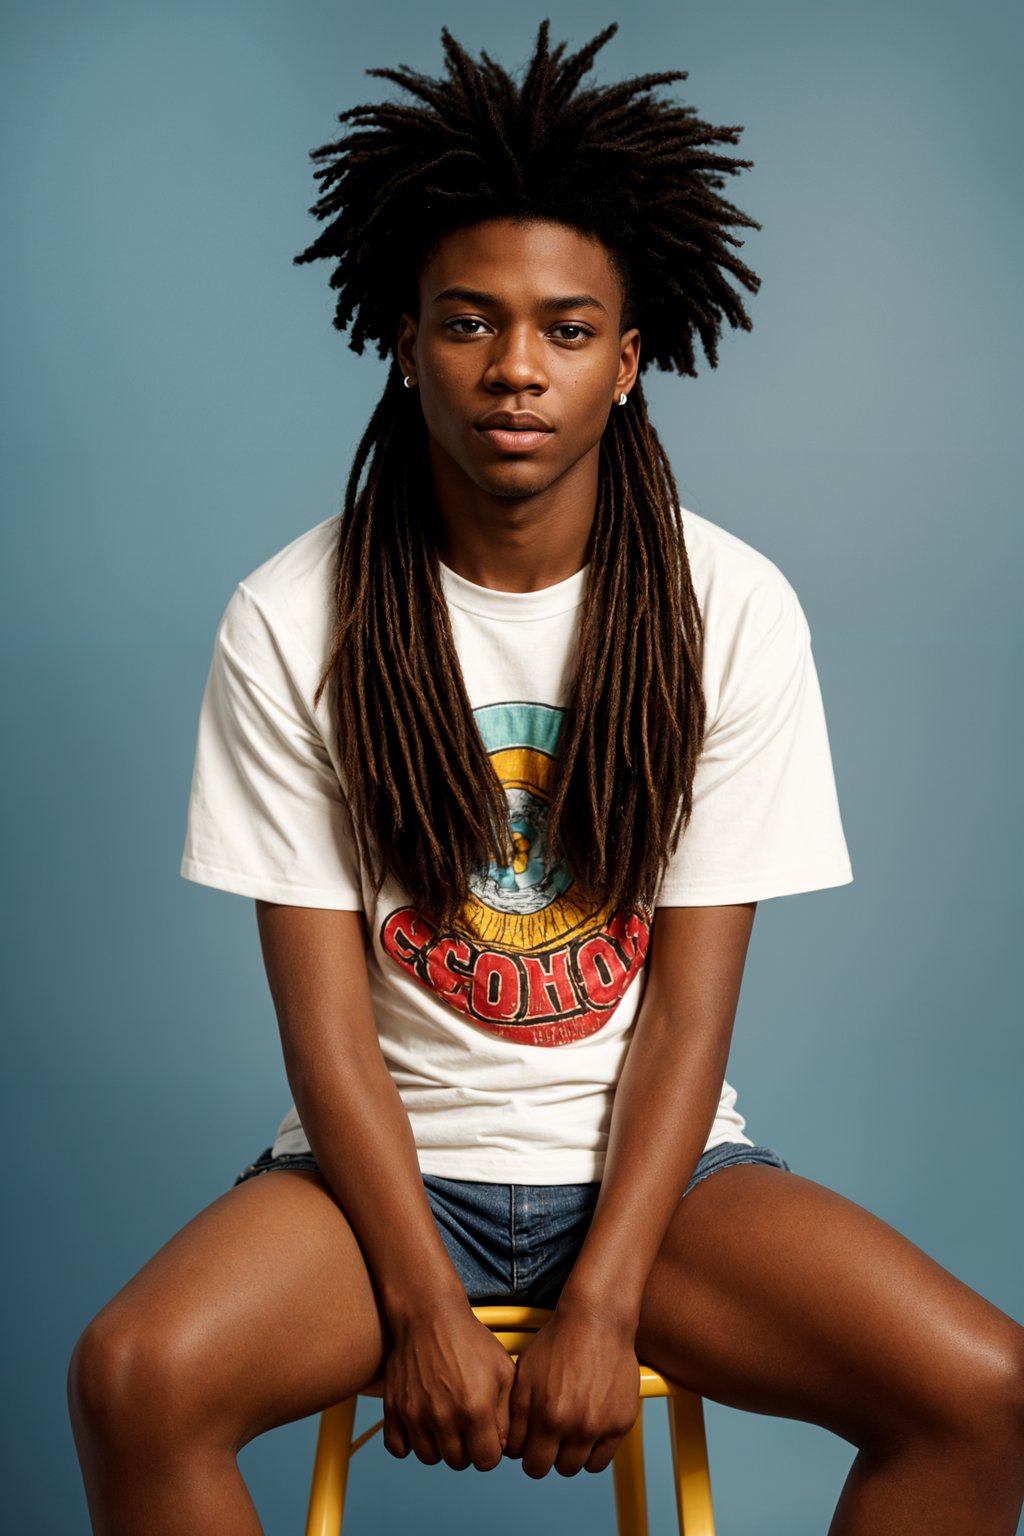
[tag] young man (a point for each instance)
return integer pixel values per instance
(507, 754)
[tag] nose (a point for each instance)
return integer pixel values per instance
(516, 362)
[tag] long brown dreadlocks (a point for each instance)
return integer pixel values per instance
(642, 175)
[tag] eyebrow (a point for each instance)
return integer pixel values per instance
(489, 300)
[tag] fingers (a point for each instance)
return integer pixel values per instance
(518, 1423)
(544, 1450)
(544, 1439)
(479, 1440)
(479, 1448)
(399, 1440)
(483, 1447)
(426, 1448)
(478, 1444)
(603, 1453)
(396, 1441)
(501, 1411)
(571, 1425)
(452, 1450)
(540, 1445)
(486, 1443)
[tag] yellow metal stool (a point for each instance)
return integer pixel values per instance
(515, 1327)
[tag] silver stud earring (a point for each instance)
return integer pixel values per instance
(622, 399)
(409, 381)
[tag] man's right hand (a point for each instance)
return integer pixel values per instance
(446, 1391)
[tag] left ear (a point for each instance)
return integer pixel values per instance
(629, 362)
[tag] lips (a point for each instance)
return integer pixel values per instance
(514, 431)
(513, 421)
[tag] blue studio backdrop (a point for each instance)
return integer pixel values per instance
(178, 407)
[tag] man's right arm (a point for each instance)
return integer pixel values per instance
(360, 1133)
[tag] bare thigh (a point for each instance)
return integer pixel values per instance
(258, 1312)
(776, 1295)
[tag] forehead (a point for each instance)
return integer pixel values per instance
(521, 263)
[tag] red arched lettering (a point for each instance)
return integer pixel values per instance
(631, 934)
(602, 971)
(551, 993)
(449, 971)
(496, 987)
(406, 938)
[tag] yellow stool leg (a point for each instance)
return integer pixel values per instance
(630, 1486)
(330, 1469)
(690, 1462)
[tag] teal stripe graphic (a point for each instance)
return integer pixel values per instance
(519, 725)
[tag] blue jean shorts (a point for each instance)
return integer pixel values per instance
(517, 1243)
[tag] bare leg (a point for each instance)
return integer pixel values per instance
(775, 1295)
(259, 1312)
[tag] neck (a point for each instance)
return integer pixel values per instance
(515, 543)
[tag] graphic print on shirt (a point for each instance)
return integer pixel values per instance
(527, 958)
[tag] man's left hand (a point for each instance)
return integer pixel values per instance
(575, 1395)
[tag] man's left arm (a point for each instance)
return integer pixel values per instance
(576, 1390)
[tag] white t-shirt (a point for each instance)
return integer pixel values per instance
(506, 1035)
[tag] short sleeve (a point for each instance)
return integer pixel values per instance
(766, 818)
(267, 817)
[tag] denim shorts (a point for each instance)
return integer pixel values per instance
(517, 1243)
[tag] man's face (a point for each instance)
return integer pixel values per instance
(518, 356)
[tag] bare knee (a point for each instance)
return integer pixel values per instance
(130, 1380)
(1000, 1399)
(980, 1403)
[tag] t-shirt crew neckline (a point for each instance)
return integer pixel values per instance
(489, 603)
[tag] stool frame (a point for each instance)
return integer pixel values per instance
(515, 1328)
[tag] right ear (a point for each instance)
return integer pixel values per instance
(405, 349)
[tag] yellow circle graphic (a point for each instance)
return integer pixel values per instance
(526, 905)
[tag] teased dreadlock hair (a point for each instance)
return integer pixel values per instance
(643, 176)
